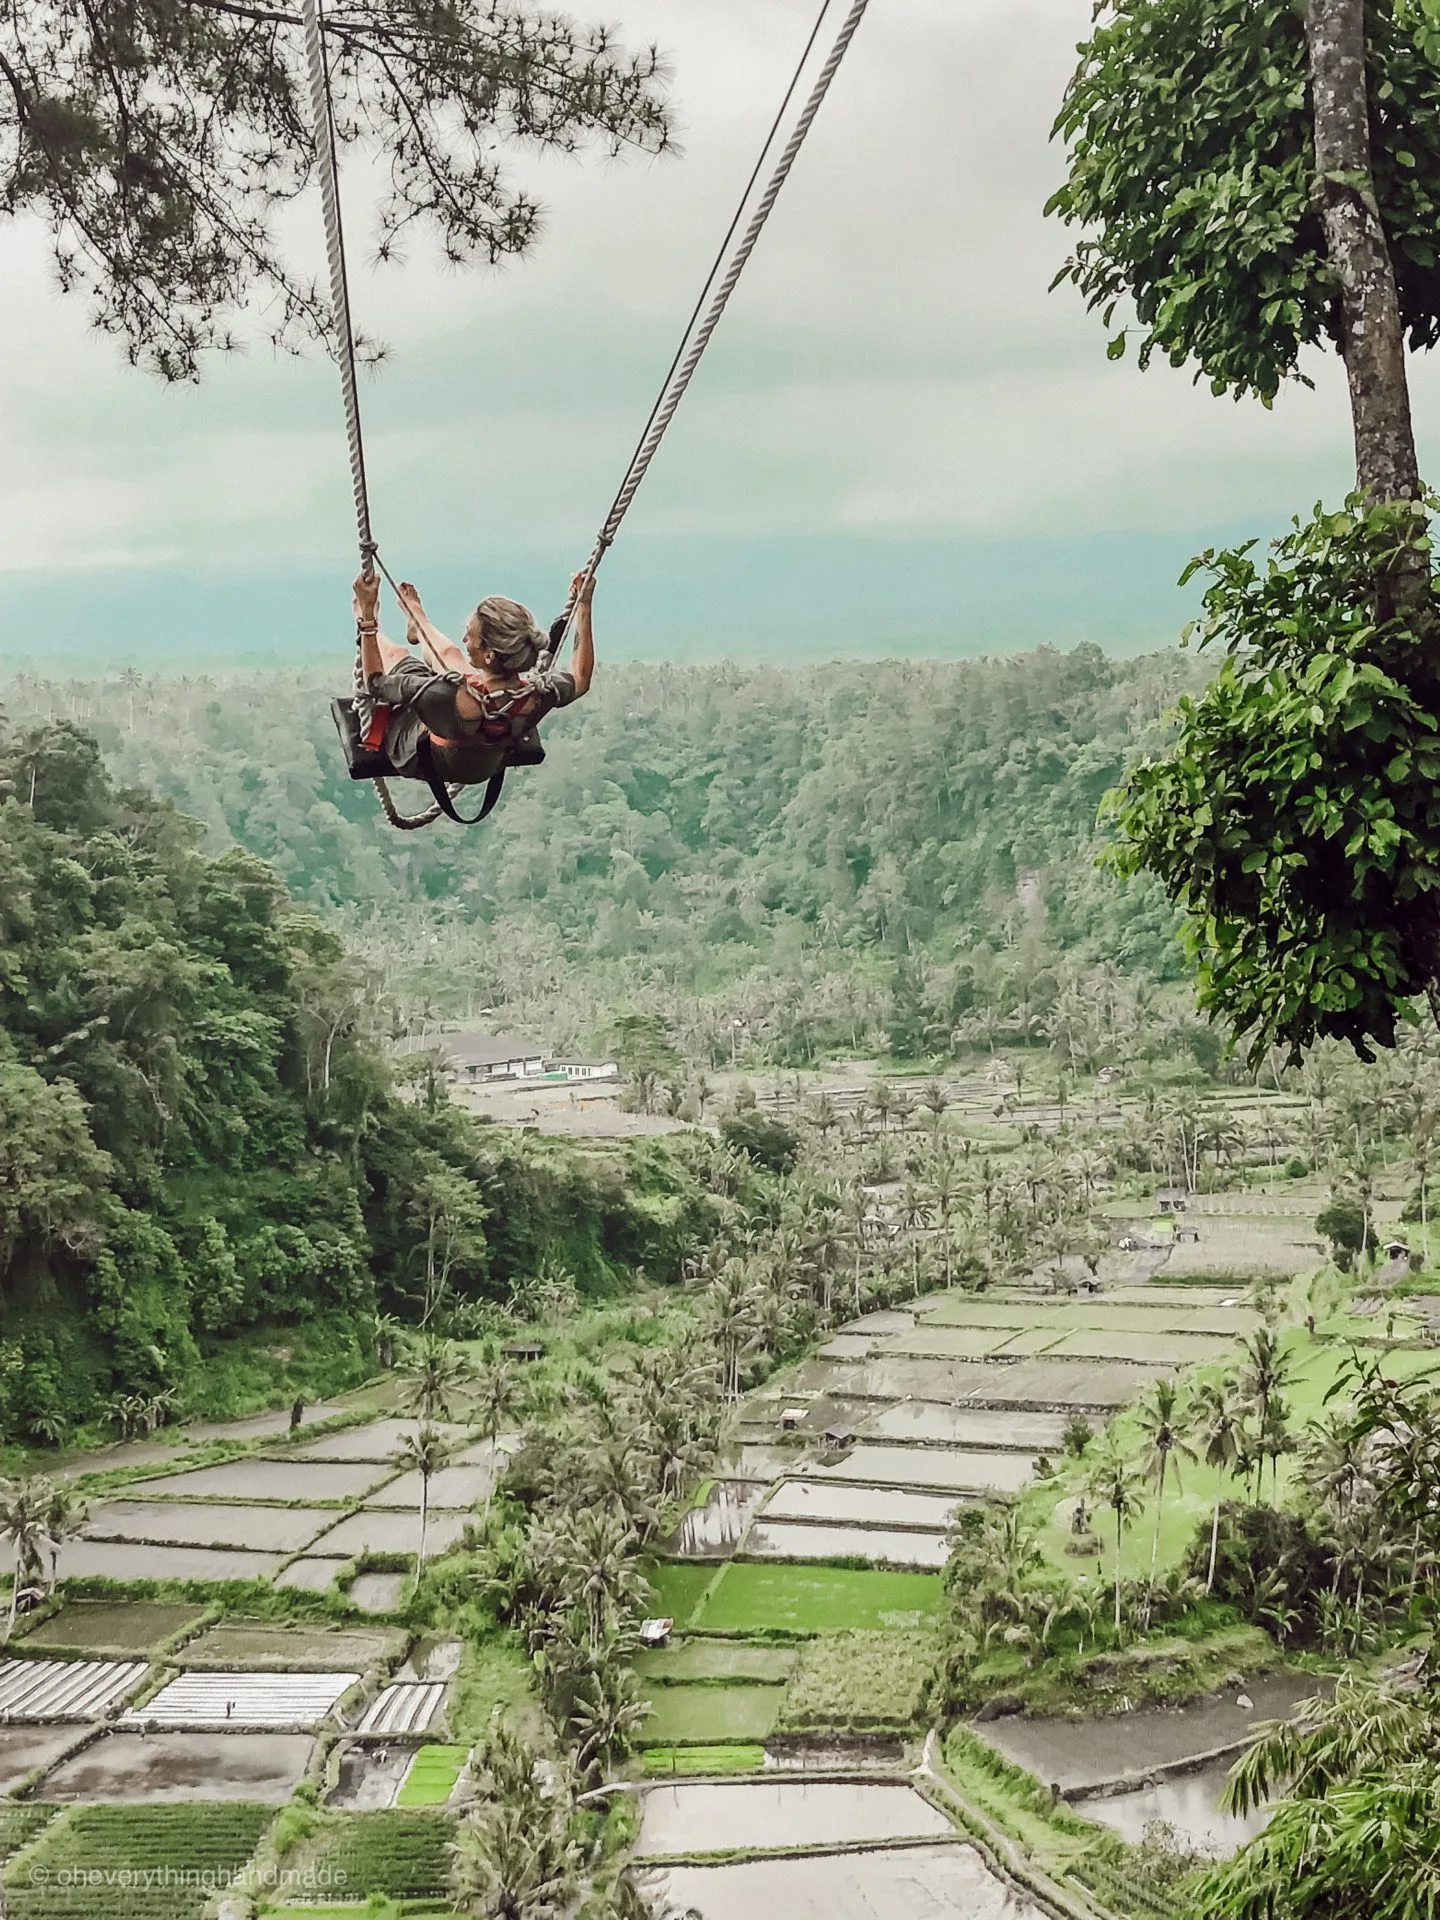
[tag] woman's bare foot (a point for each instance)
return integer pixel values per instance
(414, 611)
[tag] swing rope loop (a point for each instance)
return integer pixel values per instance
(697, 336)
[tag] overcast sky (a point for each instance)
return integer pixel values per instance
(900, 441)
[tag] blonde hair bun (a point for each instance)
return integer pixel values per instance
(509, 631)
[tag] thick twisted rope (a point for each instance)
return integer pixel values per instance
(322, 120)
(682, 369)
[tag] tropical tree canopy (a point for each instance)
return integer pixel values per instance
(157, 141)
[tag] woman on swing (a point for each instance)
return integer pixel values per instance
(454, 715)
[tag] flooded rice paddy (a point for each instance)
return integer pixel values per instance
(904, 1883)
(171, 1766)
(377, 1530)
(271, 1480)
(1188, 1802)
(126, 1560)
(179, 1523)
(860, 1506)
(798, 1540)
(23, 1749)
(964, 1470)
(456, 1488)
(379, 1442)
(1076, 1756)
(711, 1817)
(926, 1422)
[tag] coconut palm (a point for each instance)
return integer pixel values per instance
(915, 1216)
(1162, 1416)
(63, 1514)
(606, 1712)
(935, 1101)
(591, 1557)
(497, 1399)
(1217, 1419)
(24, 1509)
(1112, 1482)
(422, 1452)
(518, 1855)
(1265, 1372)
(432, 1375)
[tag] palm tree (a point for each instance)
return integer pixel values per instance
(1218, 1430)
(518, 1855)
(497, 1399)
(1161, 1417)
(1264, 1375)
(431, 1378)
(594, 1557)
(914, 1217)
(1114, 1483)
(422, 1453)
(606, 1712)
(24, 1509)
(935, 1101)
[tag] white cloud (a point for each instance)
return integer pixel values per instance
(892, 363)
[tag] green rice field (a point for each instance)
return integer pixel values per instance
(820, 1599)
(707, 1715)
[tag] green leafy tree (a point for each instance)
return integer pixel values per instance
(520, 1854)
(1290, 160)
(1346, 1225)
(1356, 1830)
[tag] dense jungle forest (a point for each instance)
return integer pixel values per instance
(783, 863)
(207, 1180)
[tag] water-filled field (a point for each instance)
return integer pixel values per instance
(963, 1469)
(1188, 1802)
(380, 1441)
(388, 1530)
(281, 1480)
(708, 1817)
(174, 1766)
(902, 1883)
(857, 1505)
(889, 1547)
(181, 1523)
(123, 1560)
(1078, 1755)
(925, 1421)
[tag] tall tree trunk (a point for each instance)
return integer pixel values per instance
(1159, 1518)
(1118, 1526)
(1214, 1536)
(1371, 335)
